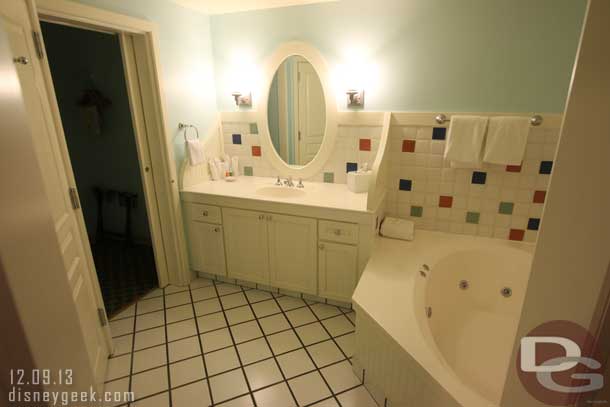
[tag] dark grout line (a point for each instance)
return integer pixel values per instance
(133, 345)
(205, 367)
(327, 331)
(241, 365)
(169, 378)
(308, 354)
(273, 355)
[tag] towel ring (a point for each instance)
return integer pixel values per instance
(185, 127)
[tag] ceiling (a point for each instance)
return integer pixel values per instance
(234, 6)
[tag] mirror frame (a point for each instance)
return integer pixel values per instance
(272, 64)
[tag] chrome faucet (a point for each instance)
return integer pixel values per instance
(300, 184)
(288, 182)
(278, 181)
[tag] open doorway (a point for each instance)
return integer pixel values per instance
(90, 86)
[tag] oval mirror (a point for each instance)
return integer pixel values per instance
(296, 111)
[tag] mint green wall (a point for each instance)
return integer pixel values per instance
(432, 55)
(186, 61)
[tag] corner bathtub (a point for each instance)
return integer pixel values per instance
(443, 336)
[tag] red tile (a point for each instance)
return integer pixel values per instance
(256, 151)
(516, 234)
(365, 144)
(445, 201)
(408, 146)
(539, 196)
(513, 168)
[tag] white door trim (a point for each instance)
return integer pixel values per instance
(150, 127)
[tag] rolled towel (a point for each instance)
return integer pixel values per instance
(194, 152)
(465, 140)
(506, 140)
(397, 228)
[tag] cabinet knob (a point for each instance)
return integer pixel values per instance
(338, 232)
(269, 217)
(216, 229)
(321, 246)
(204, 213)
(261, 217)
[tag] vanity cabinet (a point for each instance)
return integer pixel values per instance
(205, 239)
(337, 270)
(271, 249)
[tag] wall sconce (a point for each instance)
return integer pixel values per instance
(355, 98)
(241, 99)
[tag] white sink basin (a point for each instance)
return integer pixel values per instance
(280, 192)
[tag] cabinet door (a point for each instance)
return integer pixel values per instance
(246, 245)
(206, 248)
(337, 270)
(292, 253)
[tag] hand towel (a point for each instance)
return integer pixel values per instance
(194, 152)
(214, 175)
(397, 228)
(465, 140)
(506, 140)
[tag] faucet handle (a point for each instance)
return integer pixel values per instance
(300, 184)
(278, 181)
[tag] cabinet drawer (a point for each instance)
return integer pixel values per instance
(338, 232)
(202, 213)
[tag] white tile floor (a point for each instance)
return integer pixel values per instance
(219, 344)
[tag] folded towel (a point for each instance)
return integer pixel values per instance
(506, 140)
(214, 174)
(397, 228)
(194, 152)
(465, 140)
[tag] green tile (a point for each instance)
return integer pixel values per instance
(253, 128)
(506, 208)
(417, 211)
(248, 171)
(472, 217)
(329, 177)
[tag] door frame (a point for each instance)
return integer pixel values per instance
(139, 43)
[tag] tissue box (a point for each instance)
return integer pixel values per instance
(359, 181)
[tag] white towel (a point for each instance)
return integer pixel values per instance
(465, 140)
(506, 140)
(397, 228)
(194, 152)
(214, 175)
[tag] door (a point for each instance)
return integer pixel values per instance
(14, 19)
(310, 112)
(206, 248)
(246, 244)
(337, 270)
(292, 253)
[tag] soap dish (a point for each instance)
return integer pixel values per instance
(230, 179)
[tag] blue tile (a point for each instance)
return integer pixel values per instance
(533, 224)
(546, 167)
(236, 138)
(349, 167)
(479, 177)
(405, 184)
(439, 133)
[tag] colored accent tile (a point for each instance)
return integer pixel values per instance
(533, 224)
(236, 138)
(479, 177)
(439, 133)
(248, 171)
(329, 177)
(445, 201)
(253, 128)
(513, 168)
(408, 146)
(516, 234)
(539, 196)
(546, 167)
(365, 144)
(472, 217)
(405, 184)
(506, 208)
(256, 151)
(417, 211)
(349, 167)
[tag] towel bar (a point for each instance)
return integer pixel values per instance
(535, 120)
(185, 127)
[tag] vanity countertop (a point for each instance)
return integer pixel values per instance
(315, 194)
